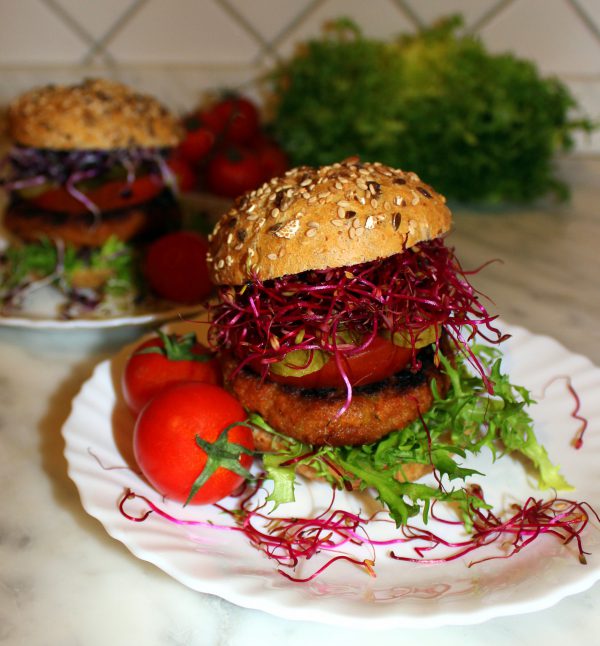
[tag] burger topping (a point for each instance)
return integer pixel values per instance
(29, 168)
(411, 296)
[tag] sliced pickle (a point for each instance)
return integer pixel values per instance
(298, 363)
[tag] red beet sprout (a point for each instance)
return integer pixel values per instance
(26, 167)
(290, 541)
(341, 310)
(577, 441)
(558, 517)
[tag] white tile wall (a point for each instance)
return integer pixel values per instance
(179, 48)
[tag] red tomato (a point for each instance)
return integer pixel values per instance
(165, 447)
(273, 161)
(235, 118)
(175, 360)
(197, 143)
(380, 360)
(184, 174)
(107, 197)
(233, 172)
(175, 267)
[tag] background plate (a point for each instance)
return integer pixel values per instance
(98, 451)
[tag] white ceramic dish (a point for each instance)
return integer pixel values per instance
(42, 307)
(98, 450)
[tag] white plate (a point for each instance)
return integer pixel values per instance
(98, 450)
(142, 318)
(41, 310)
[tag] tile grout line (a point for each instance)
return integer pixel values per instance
(100, 45)
(585, 18)
(76, 27)
(296, 22)
(265, 48)
(490, 15)
(409, 13)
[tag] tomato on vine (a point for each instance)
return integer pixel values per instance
(162, 361)
(175, 267)
(189, 445)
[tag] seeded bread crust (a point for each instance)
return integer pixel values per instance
(315, 218)
(96, 114)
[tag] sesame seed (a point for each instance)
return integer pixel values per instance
(313, 225)
(338, 223)
(311, 233)
(359, 231)
(341, 212)
(251, 208)
(221, 264)
(312, 200)
(343, 203)
(252, 217)
(339, 186)
(374, 203)
(275, 212)
(272, 256)
(362, 184)
(229, 238)
(228, 261)
(306, 182)
(370, 223)
(352, 233)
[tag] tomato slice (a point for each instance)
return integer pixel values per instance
(109, 196)
(379, 360)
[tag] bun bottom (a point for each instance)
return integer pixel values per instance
(30, 223)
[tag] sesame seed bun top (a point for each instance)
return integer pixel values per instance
(96, 114)
(315, 218)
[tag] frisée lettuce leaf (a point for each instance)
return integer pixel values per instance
(463, 422)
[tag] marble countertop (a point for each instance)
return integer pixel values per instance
(64, 581)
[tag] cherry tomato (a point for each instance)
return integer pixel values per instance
(197, 142)
(175, 267)
(233, 172)
(165, 446)
(163, 361)
(380, 360)
(273, 161)
(236, 119)
(107, 197)
(184, 174)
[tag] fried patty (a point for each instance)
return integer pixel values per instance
(311, 416)
(148, 220)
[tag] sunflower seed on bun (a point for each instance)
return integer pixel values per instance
(314, 218)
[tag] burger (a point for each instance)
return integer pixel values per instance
(352, 336)
(88, 168)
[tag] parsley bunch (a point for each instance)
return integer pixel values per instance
(479, 127)
(462, 423)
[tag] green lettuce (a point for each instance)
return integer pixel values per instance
(463, 422)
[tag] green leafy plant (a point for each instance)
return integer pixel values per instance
(478, 127)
